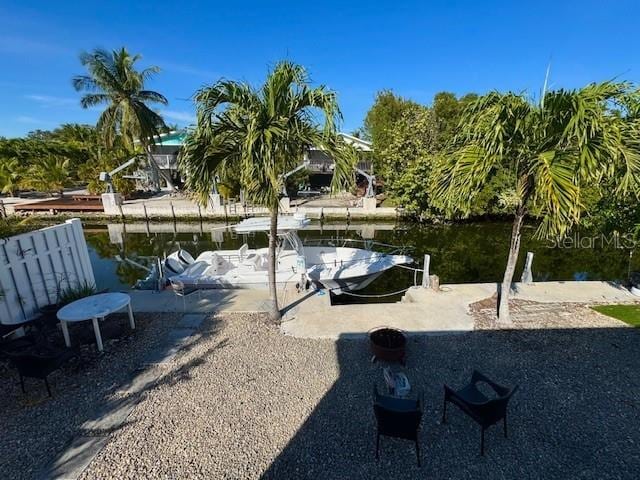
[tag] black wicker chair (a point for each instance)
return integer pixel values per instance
(397, 417)
(39, 364)
(9, 343)
(484, 410)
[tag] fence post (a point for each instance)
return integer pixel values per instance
(3, 210)
(425, 271)
(527, 276)
(83, 251)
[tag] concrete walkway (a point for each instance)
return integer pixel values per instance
(543, 292)
(315, 317)
(424, 311)
(203, 301)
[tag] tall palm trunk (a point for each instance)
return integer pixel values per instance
(514, 250)
(273, 241)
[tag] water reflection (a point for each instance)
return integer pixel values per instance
(474, 252)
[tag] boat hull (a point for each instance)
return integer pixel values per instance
(339, 286)
(338, 269)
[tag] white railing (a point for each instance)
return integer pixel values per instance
(166, 161)
(36, 267)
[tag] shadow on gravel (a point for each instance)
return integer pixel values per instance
(92, 397)
(576, 415)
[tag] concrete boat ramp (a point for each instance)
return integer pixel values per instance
(421, 311)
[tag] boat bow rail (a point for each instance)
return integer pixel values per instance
(358, 243)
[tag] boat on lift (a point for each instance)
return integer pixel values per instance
(337, 268)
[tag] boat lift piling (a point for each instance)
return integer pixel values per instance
(173, 212)
(527, 276)
(425, 271)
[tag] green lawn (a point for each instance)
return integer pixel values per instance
(627, 313)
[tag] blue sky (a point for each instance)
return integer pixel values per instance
(415, 48)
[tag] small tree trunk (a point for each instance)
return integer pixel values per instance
(154, 165)
(273, 241)
(512, 259)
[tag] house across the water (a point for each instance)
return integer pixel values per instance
(318, 163)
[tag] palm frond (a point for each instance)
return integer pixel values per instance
(84, 83)
(113, 79)
(152, 97)
(261, 133)
(557, 192)
(93, 99)
(460, 176)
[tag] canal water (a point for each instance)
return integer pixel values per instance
(460, 253)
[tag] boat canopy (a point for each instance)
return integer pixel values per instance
(261, 224)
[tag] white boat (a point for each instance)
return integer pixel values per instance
(338, 268)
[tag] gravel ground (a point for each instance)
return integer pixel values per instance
(34, 427)
(244, 401)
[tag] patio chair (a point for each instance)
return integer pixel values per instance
(482, 409)
(397, 417)
(8, 342)
(39, 364)
(181, 290)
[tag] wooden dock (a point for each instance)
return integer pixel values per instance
(75, 203)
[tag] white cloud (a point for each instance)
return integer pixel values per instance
(19, 45)
(179, 116)
(29, 120)
(51, 101)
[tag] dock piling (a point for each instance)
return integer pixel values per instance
(425, 271)
(527, 276)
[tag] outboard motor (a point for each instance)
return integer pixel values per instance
(173, 265)
(185, 257)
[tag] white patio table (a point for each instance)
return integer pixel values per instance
(94, 308)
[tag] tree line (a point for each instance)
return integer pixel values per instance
(553, 159)
(51, 160)
(410, 141)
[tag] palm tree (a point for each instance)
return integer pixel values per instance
(262, 134)
(113, 80)
(10, 175)
(48, 174)
(556, 147)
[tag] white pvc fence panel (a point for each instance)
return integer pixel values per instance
(36, 267)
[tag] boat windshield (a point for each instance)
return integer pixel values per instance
(291, 239)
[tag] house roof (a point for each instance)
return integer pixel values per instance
(173, 138)
(176, 138)
(359, 143)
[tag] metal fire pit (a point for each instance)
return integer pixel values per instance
(388, 344)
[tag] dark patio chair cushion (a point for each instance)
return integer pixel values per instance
(397, 404)
(40, 364)
(397, 417)
(484, 409)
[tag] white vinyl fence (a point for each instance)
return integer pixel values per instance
(36, 267)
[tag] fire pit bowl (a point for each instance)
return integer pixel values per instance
(388, 344)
